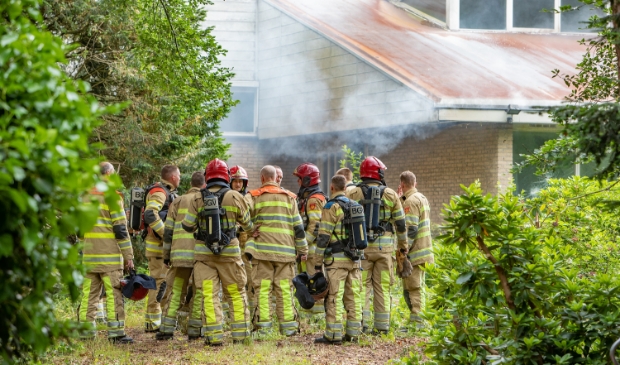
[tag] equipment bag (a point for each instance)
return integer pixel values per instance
(210, 220)
(372, 203)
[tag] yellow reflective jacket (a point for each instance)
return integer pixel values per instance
(107, 244)
(179, 245)
(418, 214)
(279, 229)
(155, 202)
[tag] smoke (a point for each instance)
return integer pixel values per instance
(483, 14)
(315, 97)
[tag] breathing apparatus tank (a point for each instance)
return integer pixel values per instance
(372, 207)
(136, 209)
(357, 226)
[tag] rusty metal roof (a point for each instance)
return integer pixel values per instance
(449, 67)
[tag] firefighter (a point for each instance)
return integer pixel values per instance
(279, 175)
(343, 272)
(218, 257)
(178, 251)
(239, 182)
(158, 199)
(310, 202)
(419, 244)
(274, 246)
(106, 247)
(348, 175)
(384, 218)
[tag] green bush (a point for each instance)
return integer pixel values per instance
(525, 281)
(46, 166)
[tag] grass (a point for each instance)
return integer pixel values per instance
(272, 348)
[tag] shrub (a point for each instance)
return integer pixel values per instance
(46, 166)
(514, 283)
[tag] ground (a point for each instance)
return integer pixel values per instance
(273, 349)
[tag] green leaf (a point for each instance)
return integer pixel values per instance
(463, 278)
(6, 245)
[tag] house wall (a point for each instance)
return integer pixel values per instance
(234, 23)
(460, 153)
(309, 84)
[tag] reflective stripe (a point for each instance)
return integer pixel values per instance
(154, 204)
(277, 230)
(175, 298)
(98, 235)
(271, 248)
(263, 301)
(207, 293)
(385, 287)
(339, 306)
(84, 301)
(124, 245)
(182, 255)
(158, 225)
(419, 254)
(272, 204)
(109, 298)
(269, 217)
(117, 215)
(91, 260)
(287, 300)
(237, 301)
(154, 247)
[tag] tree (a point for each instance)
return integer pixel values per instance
(157, 56)
(352, 160)
(591, 120)
(46, 166)
(525, 281)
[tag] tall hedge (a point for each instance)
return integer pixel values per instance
(46, 166)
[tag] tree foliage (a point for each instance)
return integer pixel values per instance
(46, 165)
(526, 281)
(156, 55)
(590, 121)
(352, 160)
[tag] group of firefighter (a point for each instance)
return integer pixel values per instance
(242, 252)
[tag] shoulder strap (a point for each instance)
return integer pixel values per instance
(319, 195)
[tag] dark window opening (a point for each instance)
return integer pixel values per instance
(483, 14)
(241, 116)
(530, 14)
(434, 8)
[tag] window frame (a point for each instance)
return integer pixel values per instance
(248, 85)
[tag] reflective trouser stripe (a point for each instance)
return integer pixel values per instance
(237, 301)
(354, 328)
(194, 325)
(195, 322)
(168, 325)
(175, 300)
(207, 294)
(365, 306)
(339, 306)
(287, 301)
(85, 297)
(263, 304)
(109, 298)
(333, 331)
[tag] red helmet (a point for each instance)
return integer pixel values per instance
(238, 172)
(372, 168)
(217, 169)
(308, 173)
(134, 289)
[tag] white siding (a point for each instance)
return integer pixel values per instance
(234, 23)
(308, 84)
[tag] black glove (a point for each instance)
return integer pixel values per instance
(167, 262)
(318, 268)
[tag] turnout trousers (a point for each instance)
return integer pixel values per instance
(152, 314)
(377, 277)
(174, 299)
(344, 301)
(413, 287)
(91, 292)
(276, 276)
(207, 307)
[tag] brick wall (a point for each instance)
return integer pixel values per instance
(458, 154)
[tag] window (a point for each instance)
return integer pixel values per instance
(483, 14)
(434, 8)
(242, 117)
(573, 21)
(530, 14)
(517, 15)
